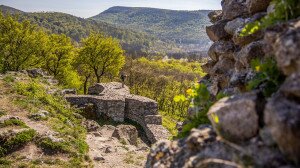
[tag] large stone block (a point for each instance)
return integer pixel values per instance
(250, 52)
(215, 16)
(224, 66)
(234, 8)
(234, 26)
(236, 118)
(291, 87)
(216, 32)
(282, 117)
(284, 40)
(127, 133)
(156, 132)
(221, 49)
(255, 6)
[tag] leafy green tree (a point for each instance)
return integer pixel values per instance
(102, 55)
(60, 59)
(21, 44)
(60, 56)
(86, 73)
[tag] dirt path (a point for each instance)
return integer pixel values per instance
(108, 152)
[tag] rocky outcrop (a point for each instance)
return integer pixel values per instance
(249, 129)
(236, 118)
(126, 133)
(113, 101)
(203, 148)
(283, 41)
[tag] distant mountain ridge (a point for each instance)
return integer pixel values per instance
(135, 43)
(144, 31)
(7, 9)
(182, 27)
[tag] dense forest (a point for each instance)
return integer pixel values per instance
(135, 43)
(185, 39)
(185, 28)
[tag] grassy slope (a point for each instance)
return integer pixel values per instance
(21, 97)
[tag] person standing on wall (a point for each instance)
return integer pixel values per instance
(123, 78)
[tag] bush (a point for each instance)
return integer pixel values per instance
(267, 78)
(54, 147)
(283, 11)
(19, 140)
(13, 122)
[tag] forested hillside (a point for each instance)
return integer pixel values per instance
(135, 43)
(186, 28)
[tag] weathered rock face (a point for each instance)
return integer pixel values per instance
(202, 148)
(255, 6)
(282, 117)
(284, 41)
(115, 102)
(266, 129)
(215, 16)
(291, 87)
(234, 8)
(127, 133)
(236, 118)
(223, 49)
(217, 32)
(250, 52)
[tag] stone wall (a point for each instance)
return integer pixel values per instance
(248, 129)
(115, 102)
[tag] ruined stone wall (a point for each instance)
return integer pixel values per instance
(248, 129)
(115, 102)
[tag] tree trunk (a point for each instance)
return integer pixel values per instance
(98, 78)
(85, 84)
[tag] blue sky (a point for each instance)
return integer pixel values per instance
(88, 8)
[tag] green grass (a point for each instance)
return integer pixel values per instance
(170, 125)
(9, 79)
(13, 122)
(56, 147)
(61, 119)
(2, 113)
(19, 140)
(4, 162)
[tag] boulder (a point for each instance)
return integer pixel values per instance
(235, 25)
(224, 66)
(127, 133)
(97, 89)
(200, 145)
(68, 91)
(250, 52)
(203, 149)
(282, 118)
(91, 125)
(291, 87)
(34, 73)
(221, 49)
(286, 47)
(208, 66)
(228, 116)
(217, 32)
(234, 8)
(244, 40)
(215, 16)
(255, 6)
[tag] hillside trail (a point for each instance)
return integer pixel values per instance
(107, 151)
